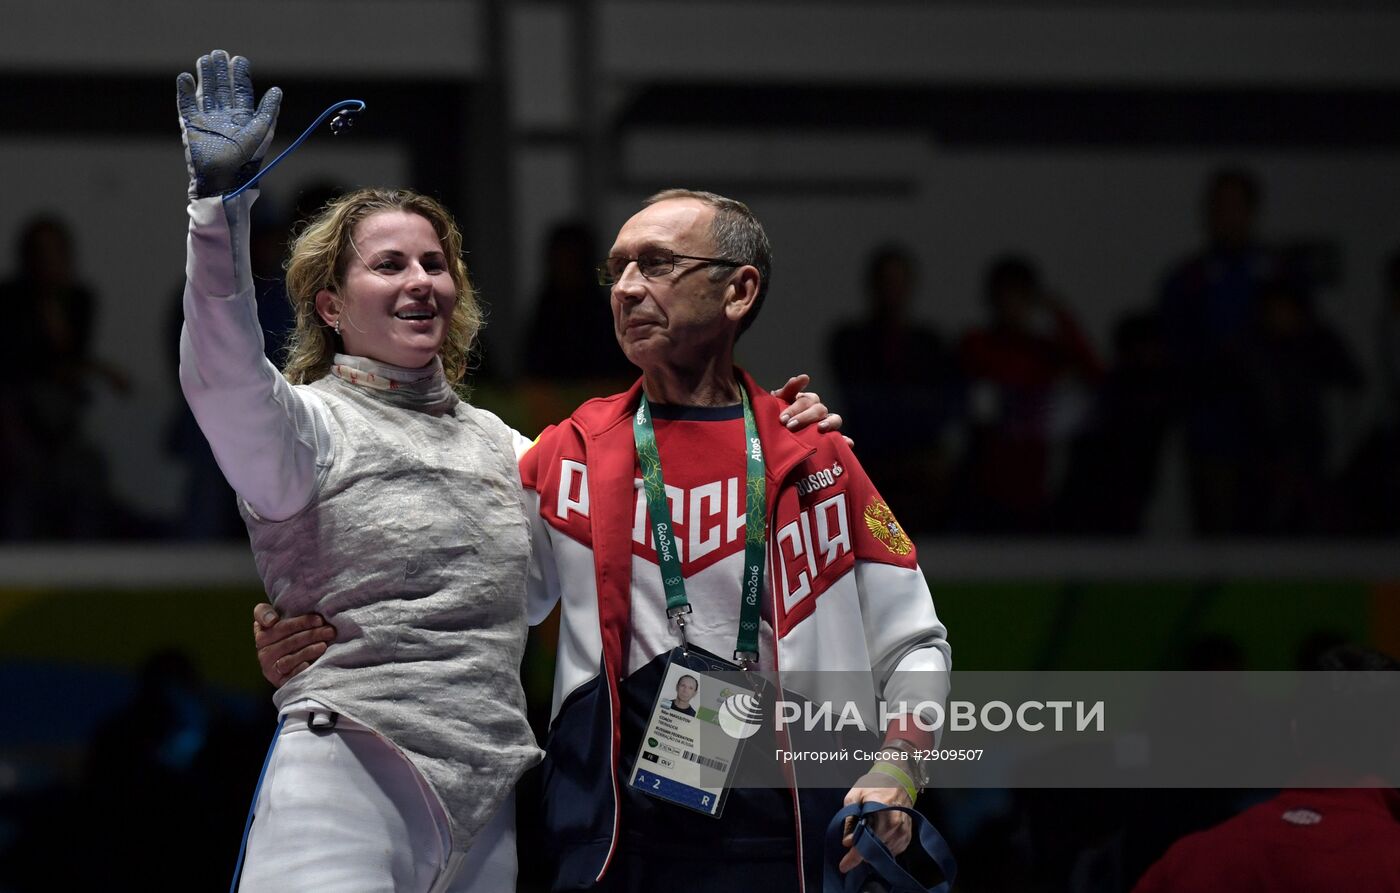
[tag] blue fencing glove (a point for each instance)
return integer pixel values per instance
(225, 136)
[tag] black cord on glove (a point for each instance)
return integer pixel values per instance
(344, 111)
(226, 134)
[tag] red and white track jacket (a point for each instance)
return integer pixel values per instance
(844, 592)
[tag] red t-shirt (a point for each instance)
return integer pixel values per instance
(1302, 840)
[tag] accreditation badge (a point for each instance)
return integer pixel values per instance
(693, 740)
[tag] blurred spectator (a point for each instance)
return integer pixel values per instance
(570, 337)
(1371, 480)
(173, 746)
(56, 483)
(208, 508)
(162, 730)
(1342, 834)
(1292, 361)
(1019, 367)
(570, 350)
(171, 769)
(899, 388)
(1114, 463)
(1208, 308)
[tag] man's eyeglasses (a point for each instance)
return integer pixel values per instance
(653, 263)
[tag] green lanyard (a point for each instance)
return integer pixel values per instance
(755, 529)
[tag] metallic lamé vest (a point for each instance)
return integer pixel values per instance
(414, 547)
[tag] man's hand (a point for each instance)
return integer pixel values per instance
(807, 407)
(894, 828)
(225, 136)
(286, 646)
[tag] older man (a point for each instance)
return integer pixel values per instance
(694, 456)
(689, 273)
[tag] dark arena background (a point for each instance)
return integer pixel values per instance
(1107, 293)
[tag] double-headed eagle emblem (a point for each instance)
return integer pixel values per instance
(882, 525)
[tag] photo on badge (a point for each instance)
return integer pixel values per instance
(688, 754)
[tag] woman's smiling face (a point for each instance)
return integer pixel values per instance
(398, 294)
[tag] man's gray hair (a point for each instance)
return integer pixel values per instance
(737, 236)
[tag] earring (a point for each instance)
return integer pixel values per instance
(337, 328)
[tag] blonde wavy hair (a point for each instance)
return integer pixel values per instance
(320, 256)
